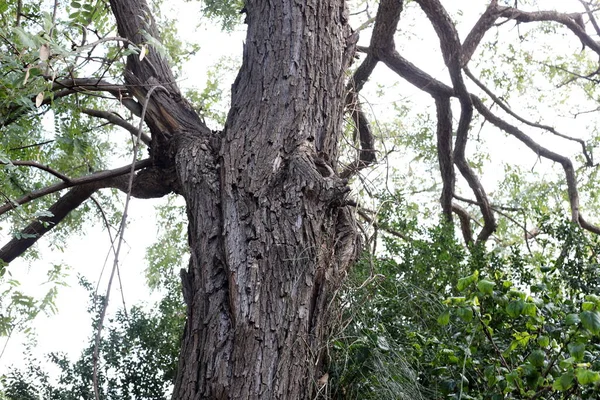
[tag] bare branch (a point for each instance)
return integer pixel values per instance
(386, 22)
(502, 105)
(115, 119)
(565, 162)
(35, 230)
(573, 21)
(465, 223)
(149, 183)
(591, 16)
(485, 22)
(436, 88)
(451, 50)
(99, 176)
(39, 166)
(364, 215)
(445, 154)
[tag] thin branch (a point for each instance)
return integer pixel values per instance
(363, 214)
(494, 206)
(573, 21)
(104, 40)
(112, 247)
(117, 120)
(120, 242)
(99, 176)
(503, 106)
(37, 165)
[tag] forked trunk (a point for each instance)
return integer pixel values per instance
(269, 234)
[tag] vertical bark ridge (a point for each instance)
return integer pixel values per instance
(281, 210)
(264, 265)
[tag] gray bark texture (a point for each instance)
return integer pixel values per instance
(270, 233)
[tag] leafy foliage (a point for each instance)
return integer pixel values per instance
(138, 359)
(482, 325)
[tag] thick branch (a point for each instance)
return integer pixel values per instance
(59, 210)
(168, 113)
(445, 155)
(465, 223)
(386, 22)
(451, 50)
(485, 22)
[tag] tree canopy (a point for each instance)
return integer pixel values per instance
(468, 141)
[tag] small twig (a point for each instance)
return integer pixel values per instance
(120, 242)
(112, 242)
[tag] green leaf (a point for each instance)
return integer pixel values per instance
(585, 376)
(463, 283)
(486, 286)
(566, 363)
(543, 341)
(591, 321)
(564, 382)
(465, 313)
(577, 350)
(444, 318)
(529, 309)
(593, 298)
(588, 306)
(515, 308)
(537, 358)
(572, 319)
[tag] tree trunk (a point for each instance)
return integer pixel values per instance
(269, 233)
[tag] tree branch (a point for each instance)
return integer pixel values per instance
(465, 223)
(34, 164)
(35, 230)
(445, 154)
(115, 119)
(99, 176)
(451, 50)
(149, 183)
(434, 87)
(503, 106)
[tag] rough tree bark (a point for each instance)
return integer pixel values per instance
(269, 231)
(269, 235)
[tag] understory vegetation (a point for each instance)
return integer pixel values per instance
(423, 318)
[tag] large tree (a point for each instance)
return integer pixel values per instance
(271, 227)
